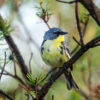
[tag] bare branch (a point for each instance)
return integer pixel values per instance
(76, 41)
(14, 63)
(18, 56)
(25, 88)
(6, 95)
(28, 97)
(85, 25)
(52, 97)
(70, 2)
(14, 66)
(3, 65)
(93, 10)
(13, 76)
(78, 24)
(76, 47)
(84, 31)
(45, 19)
(30, 70)
(90, 6)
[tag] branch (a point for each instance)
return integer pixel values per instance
(30, 70)
(70, 2)
(13, 76)
(90, 6)
(84, 31)
(78, 43)
(98, 44)
(52, 97)
(3, 66)
(6, 95)
(46, 17)
(93, 10)
(68, 64)
(18, 56)
(78, 24)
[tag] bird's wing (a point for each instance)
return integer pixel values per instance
(66, 49)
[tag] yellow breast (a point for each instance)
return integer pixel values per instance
(53, 54)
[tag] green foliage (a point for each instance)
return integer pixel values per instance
(5, 27)
(32, 93)
(37, 80)
(43, 10)
(30, 80)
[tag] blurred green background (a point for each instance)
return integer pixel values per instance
(23, 13)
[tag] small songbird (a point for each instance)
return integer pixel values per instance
(55, 52)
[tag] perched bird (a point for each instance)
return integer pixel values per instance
(55, 52)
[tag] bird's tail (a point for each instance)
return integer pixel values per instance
(70, 81)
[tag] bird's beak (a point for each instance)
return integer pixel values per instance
(63, 33)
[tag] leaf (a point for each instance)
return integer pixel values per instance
(31, 80)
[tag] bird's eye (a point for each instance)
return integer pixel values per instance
(56, 32)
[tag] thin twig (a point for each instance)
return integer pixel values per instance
(76, 41)
(52, 97)
(13, 76)
(36, 85)
(92, 8)
(25, 88)
(17, 54)
(6, 95)
(45, 18)
(78, 24)
(14, 63)
(70, 2)
(85, 25)
(51, 71)
(3, 66)
(84, 31)
(76, 47)
(28, 97)
(30, 70)
(14, 67)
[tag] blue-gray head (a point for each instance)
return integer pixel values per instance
(53, 33)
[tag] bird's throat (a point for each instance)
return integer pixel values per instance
(60, 38)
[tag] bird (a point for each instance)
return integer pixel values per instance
(55, 52)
